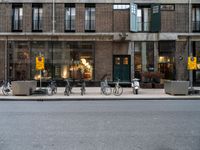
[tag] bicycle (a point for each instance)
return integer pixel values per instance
(105, 88)
(6, 88)
(68, 88)
(118, 90)
(52, 88)
(83, 87)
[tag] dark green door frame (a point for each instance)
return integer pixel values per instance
(121, 68)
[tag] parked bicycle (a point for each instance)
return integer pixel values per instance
(68, 88)
(52, 87)
(105, 88)
(6, 88)
(83, 90)
(118, 90)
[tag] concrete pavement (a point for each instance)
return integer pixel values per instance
(93, 93)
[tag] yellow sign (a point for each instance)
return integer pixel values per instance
(192, 63)
(40, 63)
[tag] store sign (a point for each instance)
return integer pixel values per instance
(192, 63)
(40, 63)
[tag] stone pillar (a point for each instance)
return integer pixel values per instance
(2, 60)
(144, 57)
(181, 56)
(131, 53)
(156, 56)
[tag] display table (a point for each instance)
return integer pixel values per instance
(23, 87)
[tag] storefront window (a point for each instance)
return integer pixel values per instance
(144, 57)
(73, 60)
(62, 60)
(166, 59)
(196, 52)
(41, 49)
(19, 61)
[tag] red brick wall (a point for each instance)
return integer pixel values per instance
(103, 59)
(121, 20)
(120, 48)
(80, 18)
(104, 18)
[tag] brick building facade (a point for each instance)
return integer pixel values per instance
(94, 38)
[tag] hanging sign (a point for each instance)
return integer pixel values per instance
(192, 63)
(39, 63)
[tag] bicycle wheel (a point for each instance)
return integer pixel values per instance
(55, 90)
(5, 91)
(82, 91)
(49, 91)
(106, 90)
(117, 91)
(67, 91)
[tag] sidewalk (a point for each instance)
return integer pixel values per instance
(93, 93)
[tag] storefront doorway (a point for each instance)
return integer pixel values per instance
(121, 68)
(196, 73)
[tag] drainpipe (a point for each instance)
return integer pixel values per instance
(53, 31)
(190, 53)
(6, 60)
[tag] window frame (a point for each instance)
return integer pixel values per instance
(39, 17)
(195, 22)
(143, 18)
(90, 7)
(70, 6)
(19, 18)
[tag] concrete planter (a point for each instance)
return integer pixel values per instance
(23, 87)
(176, 87)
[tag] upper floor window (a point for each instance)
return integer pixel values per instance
(143, 18)
(90, 17)
(196, 18)
(121, 6)
(17, 16)
(70, 17)
(37, 18)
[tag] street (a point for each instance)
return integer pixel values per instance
(100, 125)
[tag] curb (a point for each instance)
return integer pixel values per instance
(98, 99)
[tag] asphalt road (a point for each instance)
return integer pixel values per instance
(100, 125)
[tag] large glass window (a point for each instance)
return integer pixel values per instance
(89, 17)
(19, 60)
(17, 16)
(143, 18)
(196, 52)
(73, 60)
(166, 59)
(41, 49)
(143, 57)
(196, 18)
(37, 17)
(62, 60)
(70, 15)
